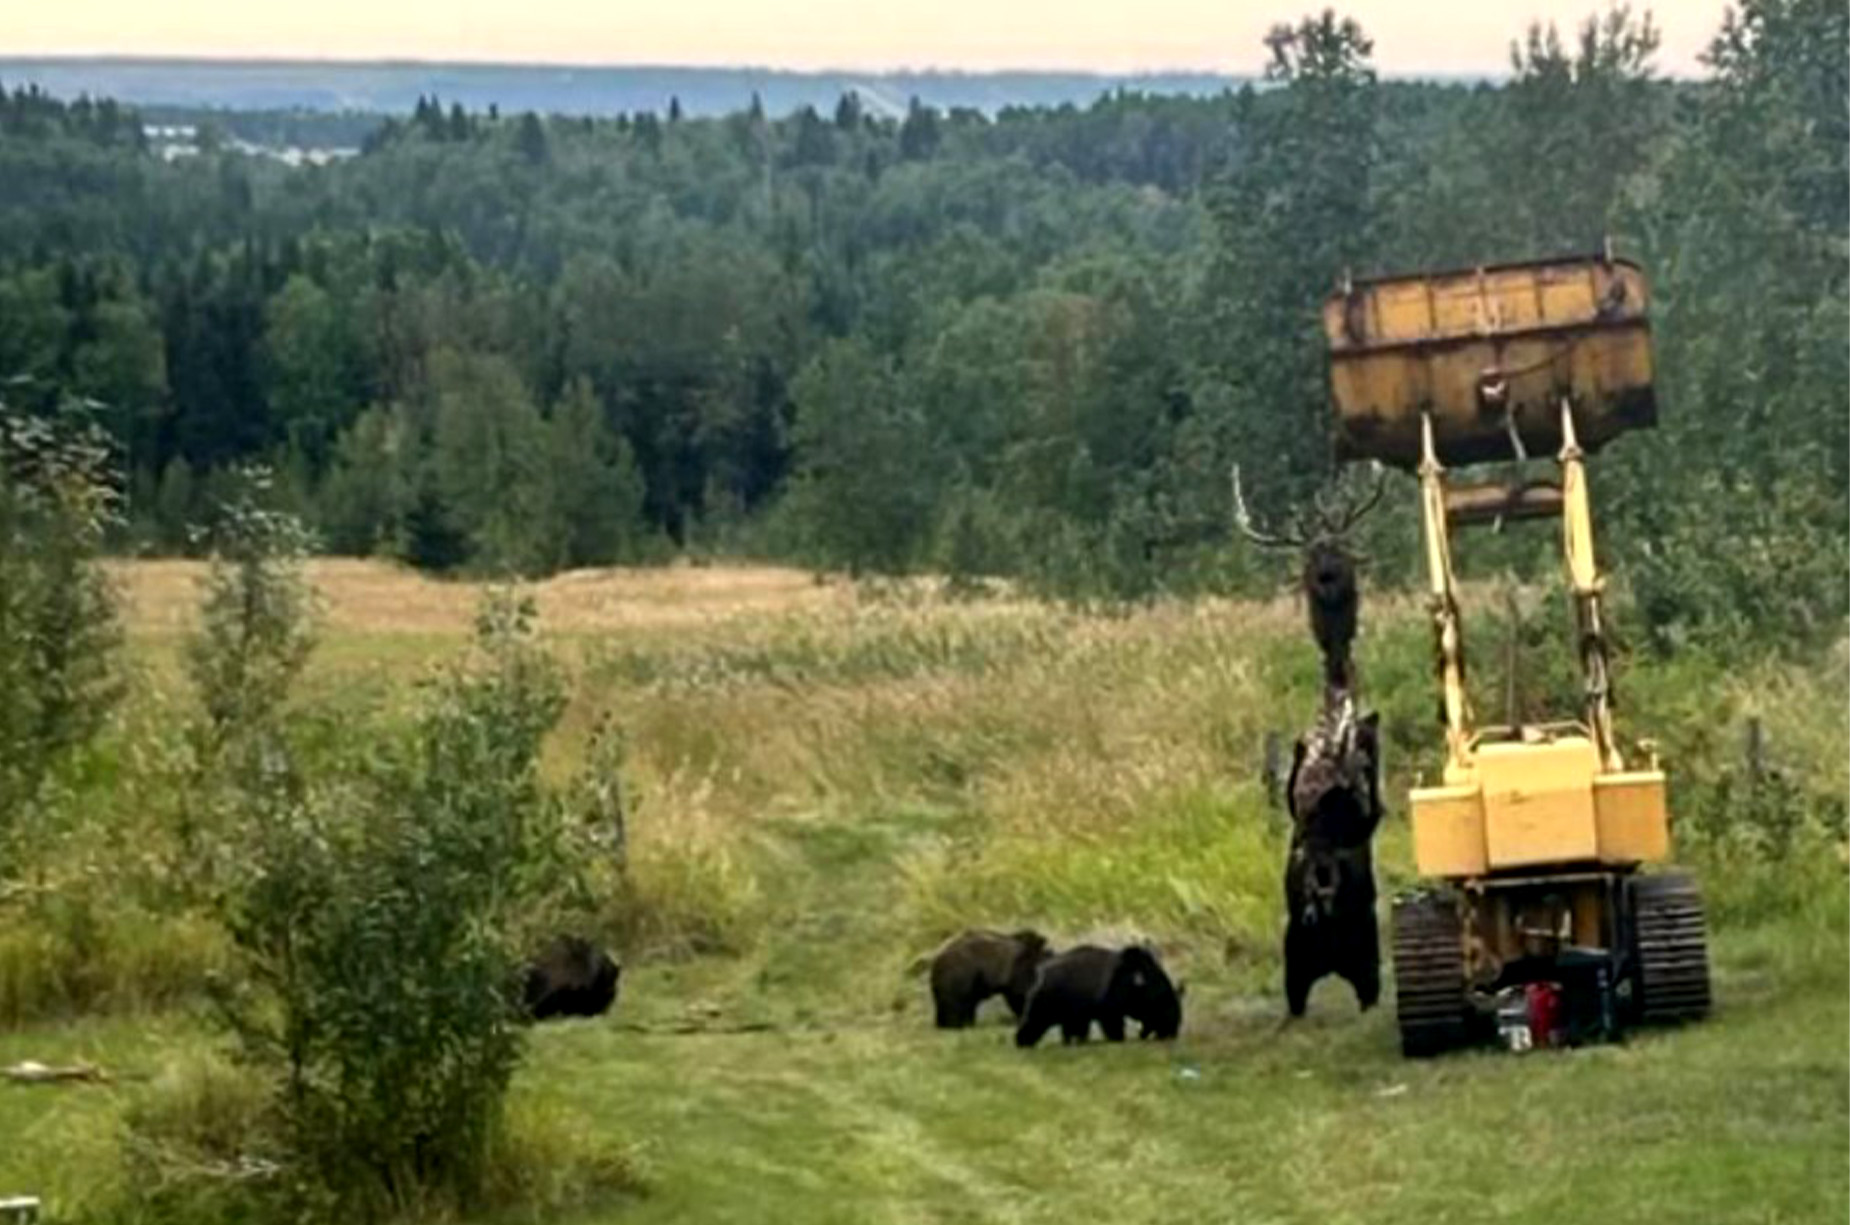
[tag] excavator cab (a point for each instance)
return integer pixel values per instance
(1536, 915)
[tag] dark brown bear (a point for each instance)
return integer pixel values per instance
(1089, 984)
(1331, 925)
(571, 978)
(1334, 795)
(982, 963)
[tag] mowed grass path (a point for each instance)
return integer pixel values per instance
(1742, 1119)
(1739, 1120)
(881, 769)
(879, 1118)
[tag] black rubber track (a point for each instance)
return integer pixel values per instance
(1429, 976)
(1671, 946)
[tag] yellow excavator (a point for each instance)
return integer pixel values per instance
(1532, 841)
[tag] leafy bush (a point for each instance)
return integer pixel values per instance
(199, 1148)
(378, 921)
(203, 1145)
(256, 618)
(79, 947)
(58, 627)
(1743, 566)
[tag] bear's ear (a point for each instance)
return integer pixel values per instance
(1181, 989)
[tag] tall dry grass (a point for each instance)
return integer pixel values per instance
(367, 597)
(1021, 761)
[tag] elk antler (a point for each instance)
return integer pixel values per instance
(1356, 511)
(1266, 540)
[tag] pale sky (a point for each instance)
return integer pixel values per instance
(1410, 36)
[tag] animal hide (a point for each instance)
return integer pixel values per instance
(1334, 790)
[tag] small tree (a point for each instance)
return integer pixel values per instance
(256, 617)
(366, 497)
(530, 138)
(58, 626)
(379, 918)
(596, 489)
(866, 482)
(490, 460)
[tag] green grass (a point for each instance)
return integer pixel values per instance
(1739, 1120)
(820, 799)
(872, 1116)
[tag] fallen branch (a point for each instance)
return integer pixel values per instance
(31, 1072)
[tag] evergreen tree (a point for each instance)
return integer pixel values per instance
(489, 456)
(368, 492)
(530, 139)
(919, 135)
(865, 485)
(596, 487)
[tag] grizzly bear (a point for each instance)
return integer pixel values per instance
(1334, 795)
(1091, 984)
(571, 978)
(981, 963)
(1331, 925)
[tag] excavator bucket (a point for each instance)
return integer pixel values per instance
(1490, 354)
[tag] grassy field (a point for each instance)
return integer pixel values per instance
(828, 780)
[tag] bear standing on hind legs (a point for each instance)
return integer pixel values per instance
(1335, 802)
(1331, 929)
(1334, 790)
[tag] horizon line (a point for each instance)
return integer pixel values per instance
(382, 61)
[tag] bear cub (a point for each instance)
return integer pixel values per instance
(981, 963)
(1089, 984)
(570, 978)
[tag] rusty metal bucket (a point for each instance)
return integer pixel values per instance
(1490, 353)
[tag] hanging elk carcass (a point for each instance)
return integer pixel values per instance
(1320, 533)
(1333, 793)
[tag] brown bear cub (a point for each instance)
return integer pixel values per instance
(982, 963)
(570, 978)
(1090, 984)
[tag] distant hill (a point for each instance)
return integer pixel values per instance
(394, 87)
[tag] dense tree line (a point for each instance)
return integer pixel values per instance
(1028, 344)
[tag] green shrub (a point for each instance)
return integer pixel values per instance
(1743, 566)
(204, 1145)
(58, 626)
(546, 1160)
(377, 919)
(200, 1147)
(81, 948)
(256, 625)
(681, 901)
